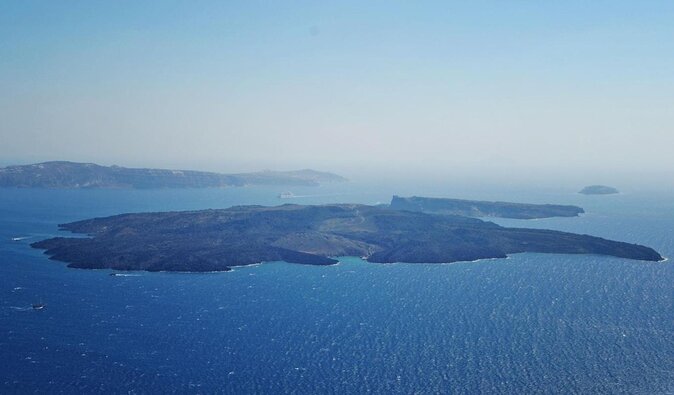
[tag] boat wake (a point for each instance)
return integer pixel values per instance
(20, 238)
(290, 195)
(20, 308)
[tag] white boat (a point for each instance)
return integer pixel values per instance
(286, 195)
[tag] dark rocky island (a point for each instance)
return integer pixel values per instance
(475, 208)
(89, 175)
(598, 190)
(216, 240)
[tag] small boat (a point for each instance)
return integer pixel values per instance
(39, 306)
(286, 195)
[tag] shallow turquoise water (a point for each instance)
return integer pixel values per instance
(530, 323)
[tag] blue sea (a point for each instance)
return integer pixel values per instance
(531, 323)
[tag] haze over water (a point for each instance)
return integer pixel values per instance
(512, 91)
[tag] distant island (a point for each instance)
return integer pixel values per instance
(598, 190)
(476, 208)
(89, 175)
(216, 240)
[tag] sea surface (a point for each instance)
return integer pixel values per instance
(531, 323)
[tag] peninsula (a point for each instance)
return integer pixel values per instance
(216, 240)
(598, 190)
(475, 208)
(90, 175)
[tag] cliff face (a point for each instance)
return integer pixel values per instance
(214, 240)
(474, 208)
(89, 175)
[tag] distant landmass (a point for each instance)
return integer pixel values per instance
(89, 175)
(475, 208)
(598, 190)
(216, 240)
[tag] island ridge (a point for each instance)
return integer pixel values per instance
(89, 175)
(216, 240)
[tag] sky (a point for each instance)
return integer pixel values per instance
(493, 89)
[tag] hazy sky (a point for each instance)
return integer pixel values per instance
(585, 87)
